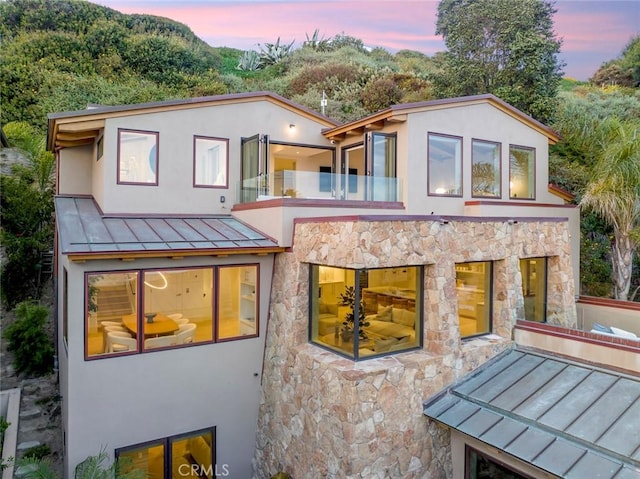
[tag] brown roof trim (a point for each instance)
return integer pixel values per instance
(561, 192)
(173, 254)
(91, 118)
(609, 302)
(396, 113)
(624, 344)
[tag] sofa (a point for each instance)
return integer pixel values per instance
(390, 322)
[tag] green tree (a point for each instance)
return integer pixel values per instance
(613, 193)
(504, 47)
(608, 146)
(26, 202)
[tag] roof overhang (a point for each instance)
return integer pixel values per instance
(567, 418)
(77, 128)
(84, 233)
(399, 113)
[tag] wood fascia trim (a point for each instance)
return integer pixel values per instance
(83, 257)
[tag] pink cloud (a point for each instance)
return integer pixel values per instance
(592, 31)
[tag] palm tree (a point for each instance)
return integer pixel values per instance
(613, 192)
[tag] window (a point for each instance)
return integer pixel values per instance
(210, 161)
(444, 165)
(366, 313)
(187, 455)
(100, 148)
(178, 308)
(238, 302)
(144, 310)
(534, 288)
(485, 169)
(137, 157)
(480, 466)
(473, 286)
(521, 172)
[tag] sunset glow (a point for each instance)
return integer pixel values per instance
(592, 32)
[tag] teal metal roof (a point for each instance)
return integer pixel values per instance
(570, 419)
(84, 229)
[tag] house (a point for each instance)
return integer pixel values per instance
(239, 263)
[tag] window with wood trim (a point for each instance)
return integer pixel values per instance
(485, 169)
(444, 165)
(522, 177)
(210, 162)
(129, 312)
(137, 157)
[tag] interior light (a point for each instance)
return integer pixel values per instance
(164, 279)
(292, 126)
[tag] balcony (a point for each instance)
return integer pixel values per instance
(271, 203)
(318, 186)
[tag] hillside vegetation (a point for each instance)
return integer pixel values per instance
(62, 55)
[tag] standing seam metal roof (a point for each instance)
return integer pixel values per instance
(569, 419)
(83, 229)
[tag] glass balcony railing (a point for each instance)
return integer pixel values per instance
(315, 185)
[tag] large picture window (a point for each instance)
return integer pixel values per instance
(485, 169)
(186, 455)
(473, 286)
(444, 165)
(139, 311)
(534, 288)
(366, 313)
(522, 172)
(137, 157)
(210, 161)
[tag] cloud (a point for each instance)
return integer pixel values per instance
(593, 31)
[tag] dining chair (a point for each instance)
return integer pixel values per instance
(160, 342)
(186, 334)
(105, 324)
(174, 316)
(181, 321)
(119, 341)
(109, 329)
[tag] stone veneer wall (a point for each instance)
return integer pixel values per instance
(324, 416)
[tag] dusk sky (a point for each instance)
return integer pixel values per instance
(592, 31)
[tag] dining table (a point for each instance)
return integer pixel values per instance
(161, 325)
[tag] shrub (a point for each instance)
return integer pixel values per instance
(37, 452)
(27, 340)
(323, 77)
(380, 94)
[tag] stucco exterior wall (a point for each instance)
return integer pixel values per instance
(325, 416)
(176, 130)
(122, 401)
(74, 168)
(471, 122)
